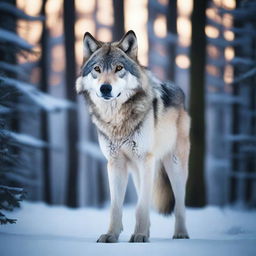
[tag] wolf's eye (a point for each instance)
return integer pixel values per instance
(97, 69)
(118, 68)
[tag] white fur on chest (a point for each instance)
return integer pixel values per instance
(134, 146)
(156, 139)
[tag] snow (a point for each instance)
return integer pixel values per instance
(56, 230)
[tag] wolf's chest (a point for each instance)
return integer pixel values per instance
(128, 147)
(134, 145)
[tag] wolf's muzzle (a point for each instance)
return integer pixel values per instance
(105, 90)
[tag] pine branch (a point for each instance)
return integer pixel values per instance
(220, 42)
(15, 69)
(10, 197)
(26, 140)
(242, 61)
(246, 13)
(249, 74)
(5, 110)
(12, 10)
(41, 99)
(12, 38)
(5, 220)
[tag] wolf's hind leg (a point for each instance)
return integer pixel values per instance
(178, 173)
(178, 177)
(176, 166)
(118, 177)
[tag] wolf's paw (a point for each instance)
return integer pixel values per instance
(107, 238)
(138, 238)
(180, 236)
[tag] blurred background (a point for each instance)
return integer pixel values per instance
(48, 144)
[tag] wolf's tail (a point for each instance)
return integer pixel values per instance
(163, 198)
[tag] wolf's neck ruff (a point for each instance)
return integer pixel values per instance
(119, 122)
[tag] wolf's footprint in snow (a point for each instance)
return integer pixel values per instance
(138, 238)
(107, 238)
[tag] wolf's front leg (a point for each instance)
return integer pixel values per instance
(146, 170)
(117, 177)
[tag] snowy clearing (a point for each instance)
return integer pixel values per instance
(44, 230)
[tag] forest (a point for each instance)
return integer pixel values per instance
(53, 177)
(49, 150)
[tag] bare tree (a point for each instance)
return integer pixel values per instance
(172, 29)
(44, 114)
(118, 27)
(72, 129)
(196, 186)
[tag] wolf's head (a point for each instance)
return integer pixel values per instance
(110, 70)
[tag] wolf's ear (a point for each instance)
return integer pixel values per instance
(129, 44)
(90, 45)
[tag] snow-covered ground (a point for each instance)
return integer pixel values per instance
(44, 230)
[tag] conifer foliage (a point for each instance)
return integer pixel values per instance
(10, 196)
(18, 97)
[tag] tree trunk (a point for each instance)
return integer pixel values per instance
(47, 193)
(72, 129)
(118, 27)
(196, 184)
(172, 28)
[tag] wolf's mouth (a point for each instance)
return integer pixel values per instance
(108, 97)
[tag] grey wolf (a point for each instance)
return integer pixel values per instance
(143, 129)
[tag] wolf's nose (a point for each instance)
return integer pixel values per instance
(106, 89)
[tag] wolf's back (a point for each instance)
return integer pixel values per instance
(163, 198)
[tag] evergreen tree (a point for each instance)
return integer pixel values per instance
(9, 196)
(17, 97)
